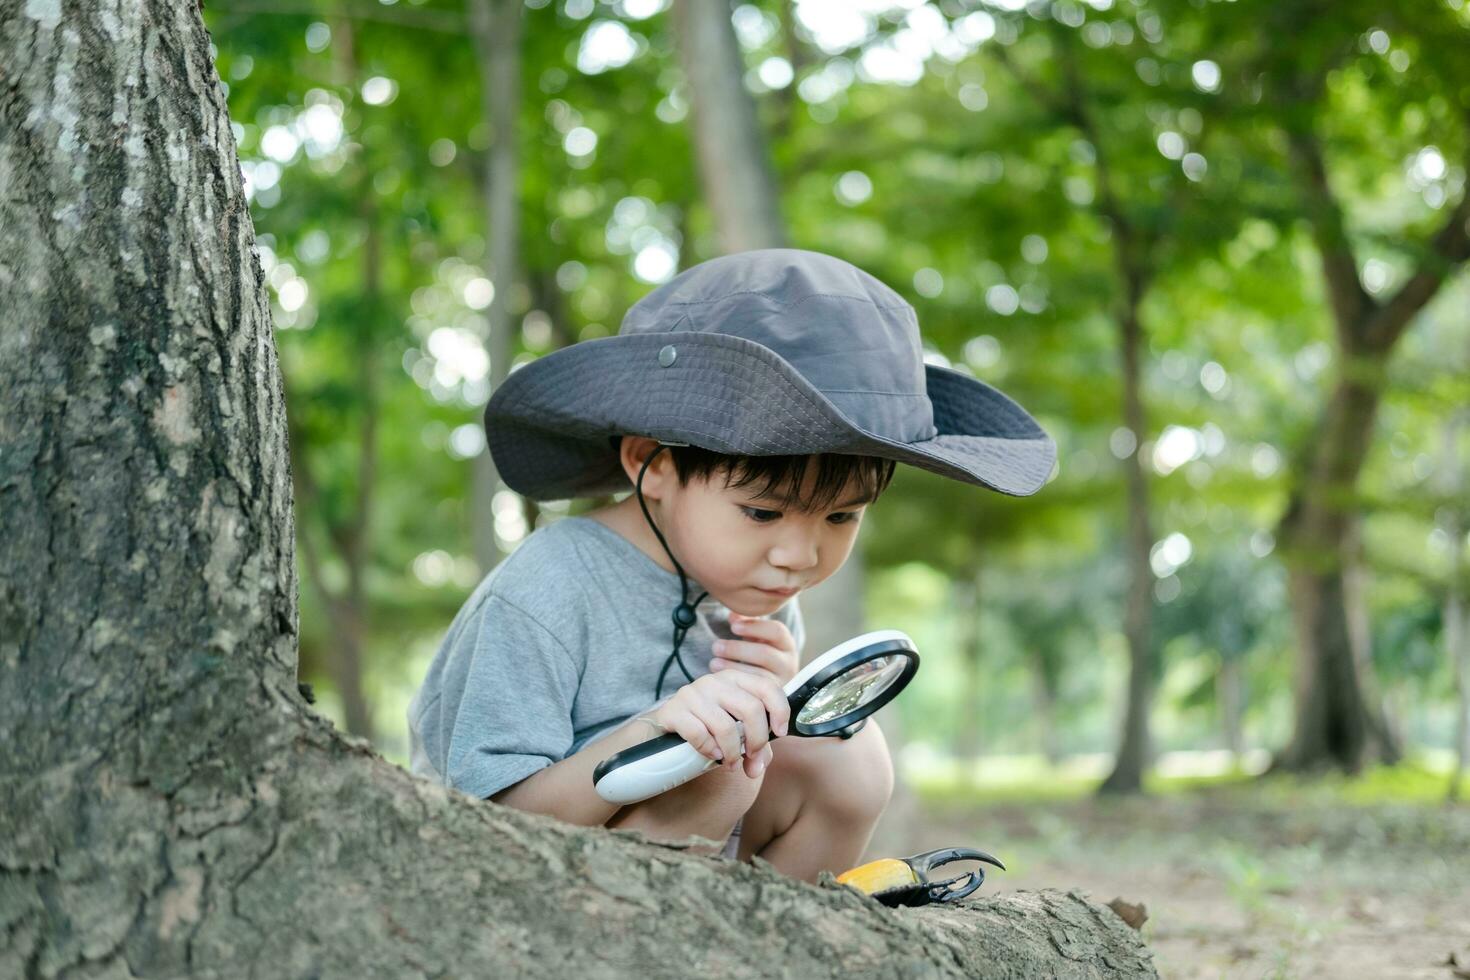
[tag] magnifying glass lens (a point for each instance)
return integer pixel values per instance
(829, 696)
(852, 689)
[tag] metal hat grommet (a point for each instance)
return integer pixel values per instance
(667, 355)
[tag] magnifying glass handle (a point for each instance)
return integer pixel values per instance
(652, 767)
(661, 763)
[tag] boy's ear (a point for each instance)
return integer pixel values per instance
(633, 452)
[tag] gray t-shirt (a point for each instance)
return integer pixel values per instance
(561, 643)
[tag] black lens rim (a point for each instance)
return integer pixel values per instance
(842, 665)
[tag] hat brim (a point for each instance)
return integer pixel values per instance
(548, 425)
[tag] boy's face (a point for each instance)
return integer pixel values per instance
(737, 544)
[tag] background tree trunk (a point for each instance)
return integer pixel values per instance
(967, 604)
(1131, 246)
(172, 806)
(1332, 714)
(735, 173)
(349, 537)
(734, 167)
(1044, 699)
(1230, 696)
(497, 26)
(1134, 749)
(1456, 631)
(1339, 719)
(1340, 722)
(350, 611)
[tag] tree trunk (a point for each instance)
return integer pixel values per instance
(1456, 615)
(348, 612)
(966, 590)
(1230, 695)
(345, 660)
(496, 26)
(1338, 720)
(1134, 750)
(340, 655)
(1459, 645)
(735, 174)
(172, 806)
(1131, 275)
(352, 648)
(1045, 699)
(734, 169)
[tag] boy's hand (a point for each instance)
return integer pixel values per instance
(705, 712)
(765, 647)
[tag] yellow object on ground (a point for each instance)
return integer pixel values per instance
(905, 881)
(877, 876)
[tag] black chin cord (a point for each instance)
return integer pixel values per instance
(684, 615)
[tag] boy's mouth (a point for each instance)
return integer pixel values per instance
(786, 593)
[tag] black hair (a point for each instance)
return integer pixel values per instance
(780, 477)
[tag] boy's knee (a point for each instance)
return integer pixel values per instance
(860, 784)
(877, 766)
(734, 789)
(717, 797)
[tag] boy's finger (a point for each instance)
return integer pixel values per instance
(756, 764)
(745, 668)
(751, 711)
(761, 629)
(758, 654)
(720, 727)
(693, 731)
(729, 703)
(764, 686)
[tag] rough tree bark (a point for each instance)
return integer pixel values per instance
(172, 807)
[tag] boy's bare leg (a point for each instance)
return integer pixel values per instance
(820, 803)
(707, 805)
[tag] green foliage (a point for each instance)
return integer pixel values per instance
(999, 191)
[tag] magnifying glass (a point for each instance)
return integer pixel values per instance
(836, 690)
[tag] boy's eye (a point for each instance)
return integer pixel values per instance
(767, 516)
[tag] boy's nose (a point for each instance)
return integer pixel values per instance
(796, 556)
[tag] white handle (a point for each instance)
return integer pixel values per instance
(633, 779)
(657, 773)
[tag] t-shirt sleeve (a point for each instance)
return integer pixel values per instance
(515, 716)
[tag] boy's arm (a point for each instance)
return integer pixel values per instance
(564, 789)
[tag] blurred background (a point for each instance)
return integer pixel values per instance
(1220, 663)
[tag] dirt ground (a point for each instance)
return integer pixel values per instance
(1244, 884)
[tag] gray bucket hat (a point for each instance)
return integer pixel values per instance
(772, 352)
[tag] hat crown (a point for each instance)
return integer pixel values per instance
(852, 337)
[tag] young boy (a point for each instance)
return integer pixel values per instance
(755, 404)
